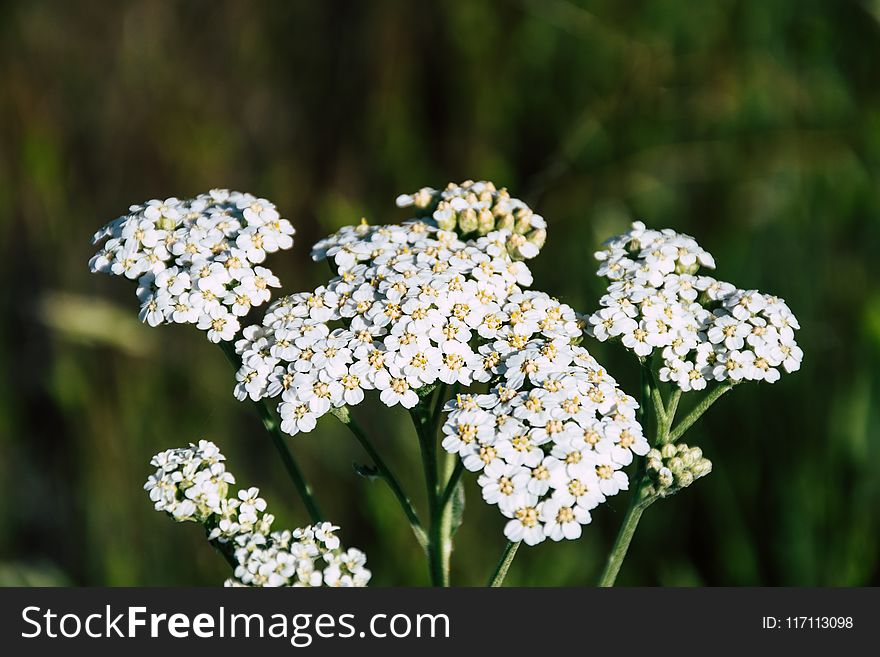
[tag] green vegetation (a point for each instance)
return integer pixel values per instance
(753, 126)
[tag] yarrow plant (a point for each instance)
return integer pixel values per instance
(192, 484)
(435, 315)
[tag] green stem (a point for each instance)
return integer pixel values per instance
(426, 419)
(665, 434)
(421, 415)
(655, 394)
(452, 475)
(503, 566)
(290, 464)
(454, 478)
(270, 423)
(671, 408)
(624, 538)
(344, 416)
(645, 387)
(698, 411)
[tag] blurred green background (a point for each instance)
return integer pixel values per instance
(754, 126)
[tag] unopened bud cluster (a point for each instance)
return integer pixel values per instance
(191, 484)
(480, 209)
(673, 467)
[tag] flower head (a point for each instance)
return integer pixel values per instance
(704, 329)
(553, 433)
(191, 484)
(196, 261)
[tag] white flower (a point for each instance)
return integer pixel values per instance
(395, 388)
(526, 523)
(611, 480)
(707, 329)
(220, 324)
(297, 416)
(193, 256)
(563, 520)
(470, 428)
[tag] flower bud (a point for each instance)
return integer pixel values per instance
(538, 237)
(687, 269)
(676, 465)
(523, 220)
(467, 221)
(514, 243)
(423, 197)
(504, 221)
(702, 468)
(665, 477)
(445, 218)
(668, 451)
(684, 479)
(687, 460)
(485, 222)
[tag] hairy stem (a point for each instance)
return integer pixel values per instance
(273, 428)
(698, 411)
(290, 464)
(452, 481)
(497, 578)
(344, 416)
(452, 475)
(439, 486)
(421, 417)
(671, 407)
(624, 538)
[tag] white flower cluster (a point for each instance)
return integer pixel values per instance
(705, 329)
(191, 484)
(413, 305)
(310, 556)
(197, 261)
(478, 208)
(550, 439)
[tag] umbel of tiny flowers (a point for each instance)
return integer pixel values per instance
(705, 329)
(550, 438)
(191, 485)
(196, 261)
(414, 306)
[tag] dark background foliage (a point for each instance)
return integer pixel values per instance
(754, 126)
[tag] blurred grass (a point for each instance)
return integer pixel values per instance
(753, 126)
